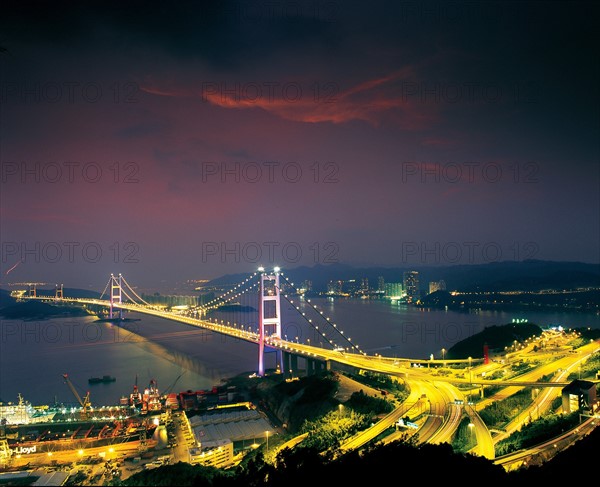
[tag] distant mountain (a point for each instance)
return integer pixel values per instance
(528, 275)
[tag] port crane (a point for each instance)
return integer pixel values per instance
(32, 286)
(170, 388)
(85, 402)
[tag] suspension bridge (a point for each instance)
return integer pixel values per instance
(335, 348)
(339, 351)
(121, 296)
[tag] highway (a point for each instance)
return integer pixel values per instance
(427, 388)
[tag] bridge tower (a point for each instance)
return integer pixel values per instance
(269, 315)
(116, 294)
(58, 294)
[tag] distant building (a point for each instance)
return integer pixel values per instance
(364, 285)
(335, 287)
(411, 285)
(578, 395)
(353, 286)
(331, 287)
(306, 287)
(380, 284)
(393, 290)
(437, 286)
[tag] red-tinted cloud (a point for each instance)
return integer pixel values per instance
(372, 101)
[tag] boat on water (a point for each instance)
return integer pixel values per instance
(103, 379)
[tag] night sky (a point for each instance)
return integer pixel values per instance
(185, 140)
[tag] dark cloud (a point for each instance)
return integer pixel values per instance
(510, 87)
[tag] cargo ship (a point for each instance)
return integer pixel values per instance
(151, 399)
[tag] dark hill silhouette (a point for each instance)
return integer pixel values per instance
(496, 337)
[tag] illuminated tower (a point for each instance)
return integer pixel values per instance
(115, 294)
(411, 285)
(269, 315)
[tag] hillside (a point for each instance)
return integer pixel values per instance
(496, 337)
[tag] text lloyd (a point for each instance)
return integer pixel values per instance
(22, 450)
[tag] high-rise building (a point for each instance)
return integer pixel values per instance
(411, 285)
(331, 287)
(364, 285)
(393, 290)
(380, 284)
(352, 286)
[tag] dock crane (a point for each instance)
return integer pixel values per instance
(32, 287)
(85, 402)
(170, 388)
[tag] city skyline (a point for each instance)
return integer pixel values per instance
(207, 139)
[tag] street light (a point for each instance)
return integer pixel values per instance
(340, 407)
(443, 356)
(267, 435)
(471, 426)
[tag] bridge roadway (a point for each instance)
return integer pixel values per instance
(392, 366)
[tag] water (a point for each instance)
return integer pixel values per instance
(35, 355)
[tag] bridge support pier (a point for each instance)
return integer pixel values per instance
(319, 366)
(293, 365)
(310, 366)
(286, 369)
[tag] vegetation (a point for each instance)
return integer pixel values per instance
(495, 337)
(382, 382)
(584, 336)
(537, 432)
(294, 402)
(305, 466)
(498, 414)
(301, 467)
(464, 439)
(327, 432)
(521, 368)
(368, 405)
(589, 369)
(181, 473)
(29, 480)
